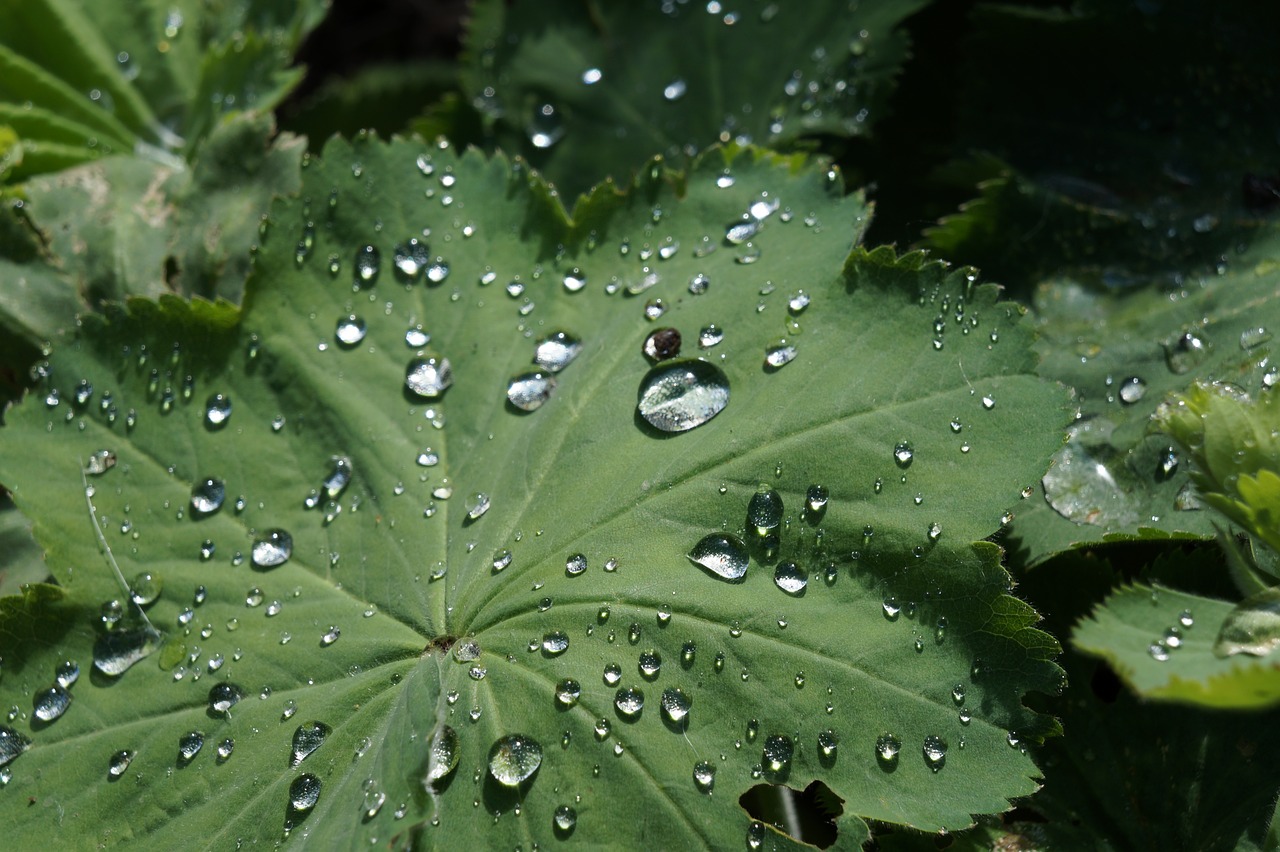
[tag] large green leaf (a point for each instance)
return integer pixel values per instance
(592, 90)
(449, 615)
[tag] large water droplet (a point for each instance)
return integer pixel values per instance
(306, 739)
(557, 351)
(114, 652)
(429, 377)
(776, 754)
(555, 643)
(224, 696)
(675, 705)
(273, 549)
(567, 692)
(304, 792)
(443, 758)
(1252, 627)
(676, 396)
(514, 758)
(145, 588)
(723, 555)
(629, 701)
(49, 704)
(528, 391)
(207, 496)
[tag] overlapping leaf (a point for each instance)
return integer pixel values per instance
(592, 90)
(448, 618)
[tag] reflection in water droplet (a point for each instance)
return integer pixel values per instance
(887, 748)
(779, 354)
(710, 335)
(903, 454)
(676, 396)
(207, 496)
(306, 739)
(49, 704)
(565, 818)
(189, 745)
(629, 701)
(675, 705)
(119, 763)
(1252, 627)
(827, 743)
(429, 377)
(575, 565)
(567, 692)
(790, 577)
(555, 643)
(1186, 351)
(304, 792)
(722, 554)
(704, 776)
(514, 758)
(935, 752)
(217, 410)
(776, 754)
(350, 330)
(528, 391)
(116, 651)
(66, 673)
(557, 351)
(224, 696)
(443, 758)
(273, 549)
(410, 258)
(661, 344)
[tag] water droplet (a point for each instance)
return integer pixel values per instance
(903, 454)
(217, 410)
(827, 743)
(514, 758)
(557, 351)
(189, 745)
(1166, 464)
(51, 703)
(12, 744)
(567, 692)
(429, 377)
(66, 673)
(207, 496)
(330, 636)
(723, 555)
(629, 701)
(555, 643)
(699, 283)
(545, 128)
(116, 651)
(145, 588)
(224, 696)
(273, 549)
(676, 396)
(675, 705)
(710, 335)
(575, 565)
(764, 511)
(1252, 627)
(410, 258)
(791, 578)
(704, 776)
(779, 354)
(501, 558)
(815, 502)
(612, 674)
(1186, 619)
(307, 738)
(443, 758)
(528, 391)
(368, 263)
(565, 818)
(350, 330)
(649, 663)
(661, 344)
(675, 90)
(574, 280)
(775, 757)
(935, 752)
(304, 792)
(416, 338)
(1186, 351)
(1132, 390)
(119, 763)
(887, 748)
(477, 504)
(1254, 337)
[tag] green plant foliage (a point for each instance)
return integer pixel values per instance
(23, 561)
(415, 617)
(592, 90)
(1162, 642)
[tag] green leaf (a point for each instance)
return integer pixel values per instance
(1234, 442)
(556, 80)
(1143, 632)
(437, 627)
(23, 562)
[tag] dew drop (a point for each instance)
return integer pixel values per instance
(709, 336)
(722, 554)
(827, 743)
(66, 673)
(775, 757)
(189, 745)
(903, 454)
(119, 763)
(567, 692)
(528, 391)
(443, 757)
(1252, 627)
(791, 578)
(304, 792)
(273, 549)
(49, 704)
(887, 748)
(935, 752)
(514, 758)
(207, 496)
(677, 396)
(675, 705)
(1132, 390)
(217, 410)
(704, 776)
(306, 739)
(350, 330)
(224, 696)
(429, 377)
(557, 351)
(779, 354)
(555, 643)
(476, 505)
(565, 818)
(662, 344)
(575, 565)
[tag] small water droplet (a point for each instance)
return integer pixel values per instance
(330, 636)
(791, 578)
(567, 692)
(887, 748)
(304, 792)
(675, 90)
(828, 743)
(1132, 390)
(224, 696)
(565, 819)
(649, 663)
(629, 702)
(776, 754)
(350, 330)
(528, 391)
(1185, 351)
(66, 673)
(661, 344)
(935, 752)
(675, 706)
(555, 643)
(443, 757)
(49, 704)
(903, 454)
(779, 354)
(189, 745)
(557, 351)
(217, 410)
(1251, 338)
(476, 505)
(710, 336)
(119, 763)
(575, 564)
(207, 496)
